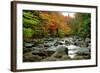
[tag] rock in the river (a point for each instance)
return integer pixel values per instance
(49, 43)
(28, 45)
(65, 57)
(49, 53)
(29, 57)
(78, 57)
(89, 45)
(88, 40)
(51, 59)
(40, 52)
(52, 48)
(57, 55)
(60, 51)
(40, 46)
(26, 50)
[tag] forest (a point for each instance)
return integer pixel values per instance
(45, 29)
(54, 24)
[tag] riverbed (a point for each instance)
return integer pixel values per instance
(56, 49)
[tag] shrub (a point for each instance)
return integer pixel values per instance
(27, 32)
(61, 33)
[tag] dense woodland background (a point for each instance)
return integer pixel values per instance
(38, 24)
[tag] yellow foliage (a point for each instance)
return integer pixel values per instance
(56, 19)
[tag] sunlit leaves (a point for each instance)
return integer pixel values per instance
(28, 32)
(29, 22)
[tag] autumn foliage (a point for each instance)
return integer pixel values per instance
(55, 20)
(44, 23)
(54, 24)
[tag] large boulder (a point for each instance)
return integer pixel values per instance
(60, 51)
(40, 52)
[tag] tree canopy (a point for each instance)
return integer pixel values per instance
(54, 24)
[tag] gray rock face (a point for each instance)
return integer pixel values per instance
(60, 51)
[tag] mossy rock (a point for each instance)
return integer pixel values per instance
(50, 59)
(27, 50)
(78, 57)
(28, 57)
(58, 54)
(65, 57)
